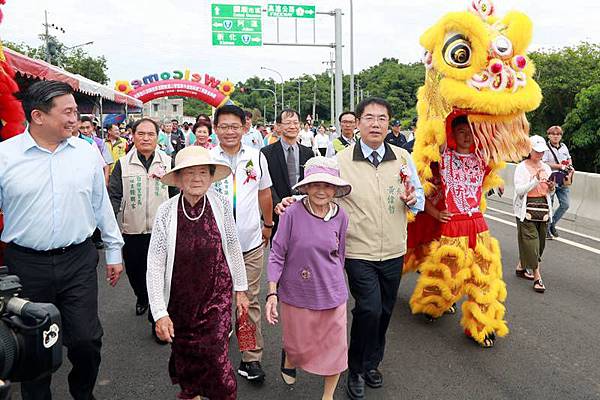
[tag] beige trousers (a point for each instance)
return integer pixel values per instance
(254, 267)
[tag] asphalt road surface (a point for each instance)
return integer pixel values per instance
(552, 351)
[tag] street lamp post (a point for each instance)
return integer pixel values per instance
(79, 45)
(275, 96)
(280, 76)
(299, 104)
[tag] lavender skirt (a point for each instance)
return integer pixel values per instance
(315, 340)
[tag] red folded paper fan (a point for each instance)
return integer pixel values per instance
(245, 331)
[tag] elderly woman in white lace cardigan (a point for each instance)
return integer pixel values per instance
(194, 264)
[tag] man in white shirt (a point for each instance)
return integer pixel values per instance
(251, 137)
(558, 158)
(249, 191)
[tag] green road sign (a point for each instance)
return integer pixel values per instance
(236, 25)
(236, 11)
(290, 11)
(236, 39)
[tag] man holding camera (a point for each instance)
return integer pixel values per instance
(558, 158)
(53, 194)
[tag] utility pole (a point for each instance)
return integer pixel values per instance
(352, 102)
(314, 108)
(330, 70)
(47, 37)
(339, 94)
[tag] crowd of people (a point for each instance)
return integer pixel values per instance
(195, 213)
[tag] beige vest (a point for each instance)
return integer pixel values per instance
(142, 194)
(377, 226)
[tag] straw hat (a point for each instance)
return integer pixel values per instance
(192, 156)
(323, 169)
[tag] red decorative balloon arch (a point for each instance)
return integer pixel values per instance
(178, 87)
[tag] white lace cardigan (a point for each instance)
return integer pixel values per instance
(162, 250)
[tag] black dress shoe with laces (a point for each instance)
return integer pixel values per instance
(141, 309)
(374, 378)
(355, 386)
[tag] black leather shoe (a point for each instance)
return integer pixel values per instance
(141, 309)
(355, 386)
(373, 378)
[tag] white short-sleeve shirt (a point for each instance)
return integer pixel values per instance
(250, 174)
(562, 154)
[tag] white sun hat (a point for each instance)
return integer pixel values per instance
(538, 143)
(193, 156)
(323, 169)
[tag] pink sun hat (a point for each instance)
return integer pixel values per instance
(325, 170)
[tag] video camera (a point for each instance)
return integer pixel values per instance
(30, 335)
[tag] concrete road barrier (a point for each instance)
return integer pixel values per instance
(584, 196)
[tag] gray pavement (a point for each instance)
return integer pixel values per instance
(552, 351)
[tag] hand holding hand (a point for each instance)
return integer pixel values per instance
(113, 273)
(242, 302)
(164, 329)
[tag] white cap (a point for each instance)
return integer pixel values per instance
(538, 143)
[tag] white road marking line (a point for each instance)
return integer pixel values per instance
(558, 227)
(566, 241)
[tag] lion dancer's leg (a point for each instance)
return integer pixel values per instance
(483, 311)
(443, 275)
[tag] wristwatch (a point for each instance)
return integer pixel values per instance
(269, 226)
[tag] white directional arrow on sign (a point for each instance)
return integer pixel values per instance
(217, 10)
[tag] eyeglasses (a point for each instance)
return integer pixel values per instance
(146, 134)
(348, 122)
(290, 123)
(233, 128)
(382, 119)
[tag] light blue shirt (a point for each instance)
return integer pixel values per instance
(55, 199)
(414, 177)
(253, 139)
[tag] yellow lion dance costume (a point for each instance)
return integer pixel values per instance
(476, 68)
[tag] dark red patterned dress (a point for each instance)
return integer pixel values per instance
(200, 308)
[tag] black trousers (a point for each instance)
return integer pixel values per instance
(374, 286)
(135, 255)
(70, 282)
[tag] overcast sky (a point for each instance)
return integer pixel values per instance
(139, 37)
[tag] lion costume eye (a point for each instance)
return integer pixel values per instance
(457, 51)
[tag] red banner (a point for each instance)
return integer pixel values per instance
(178, 87)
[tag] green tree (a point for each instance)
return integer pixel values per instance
(562, 74)
(192, 107)
(583, 125)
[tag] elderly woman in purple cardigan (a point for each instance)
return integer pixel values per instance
(306, 274)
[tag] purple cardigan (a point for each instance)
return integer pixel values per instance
(307, 259)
